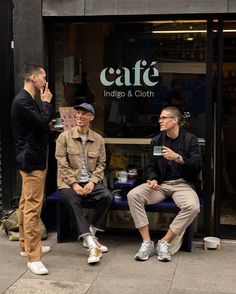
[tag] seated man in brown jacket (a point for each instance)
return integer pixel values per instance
(81, 158)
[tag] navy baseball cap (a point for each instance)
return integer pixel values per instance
(85, 106)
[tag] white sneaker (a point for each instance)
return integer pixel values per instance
(45, 249)
(95, 254)
(146, 250)
(163, 250)
(99, 245)
(37, 268)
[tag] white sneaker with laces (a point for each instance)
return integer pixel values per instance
(163, 250)
(146, 250)
(37, 268)
(99, 245)
(95, 254)
(45, 249)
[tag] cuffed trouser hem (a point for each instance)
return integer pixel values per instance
(176, 232)
(83, 235)
(97, 229)
(141, 225)
(179, 230)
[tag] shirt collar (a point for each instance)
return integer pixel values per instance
(76, 134)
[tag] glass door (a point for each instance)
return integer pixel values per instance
(228, 123)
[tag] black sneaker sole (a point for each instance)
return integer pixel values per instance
(140, 259)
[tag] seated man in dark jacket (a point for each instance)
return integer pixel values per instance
(172, 173)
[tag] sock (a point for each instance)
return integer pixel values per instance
(164, 241)
(146, 241)
(92, 230)
(89, 240)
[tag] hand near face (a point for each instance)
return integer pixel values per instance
(46, 94)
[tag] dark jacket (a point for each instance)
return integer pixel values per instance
(30, 125)
(188, 149)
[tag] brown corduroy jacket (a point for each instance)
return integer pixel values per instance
(69, 150)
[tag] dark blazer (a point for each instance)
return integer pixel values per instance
(188, 148)
(30, 125)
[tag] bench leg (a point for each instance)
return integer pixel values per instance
(59, 225)
(188, 239)
(62, 223)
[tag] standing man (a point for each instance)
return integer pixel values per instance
(173, 173)
(30, 123)
(81, 159)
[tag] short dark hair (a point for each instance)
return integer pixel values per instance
(175, 111)
(30, 69)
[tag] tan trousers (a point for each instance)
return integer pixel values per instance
(30, 207)
(182, 194)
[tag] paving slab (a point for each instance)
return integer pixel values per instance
(35, 286)
(226, 255)
(209, 277)
(11, 267)
(188, 291)
(107, 285)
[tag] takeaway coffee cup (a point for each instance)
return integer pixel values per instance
(157, 150)
(122, 176)
(58, 123)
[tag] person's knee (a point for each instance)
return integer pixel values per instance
(105, 195)
(130, 196)
(133, 196)
(108, 196)
(193, 208)
(196, 208)
(67, 197)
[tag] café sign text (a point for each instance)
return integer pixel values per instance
(141, 75)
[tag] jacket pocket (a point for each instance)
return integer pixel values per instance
(92, 160)
(74, 157)
(32, 157)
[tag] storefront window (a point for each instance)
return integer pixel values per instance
(130, 71)
(228, 120)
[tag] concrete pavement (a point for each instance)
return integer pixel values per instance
(201, 271)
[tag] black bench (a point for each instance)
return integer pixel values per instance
(167, 206)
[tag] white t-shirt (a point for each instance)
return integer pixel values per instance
(84, 172)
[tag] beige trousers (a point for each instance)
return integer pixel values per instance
(30, 207)
(182, 194)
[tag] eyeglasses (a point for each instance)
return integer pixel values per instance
(83, 114)
(165, 117)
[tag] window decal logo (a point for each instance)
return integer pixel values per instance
(140, 75)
